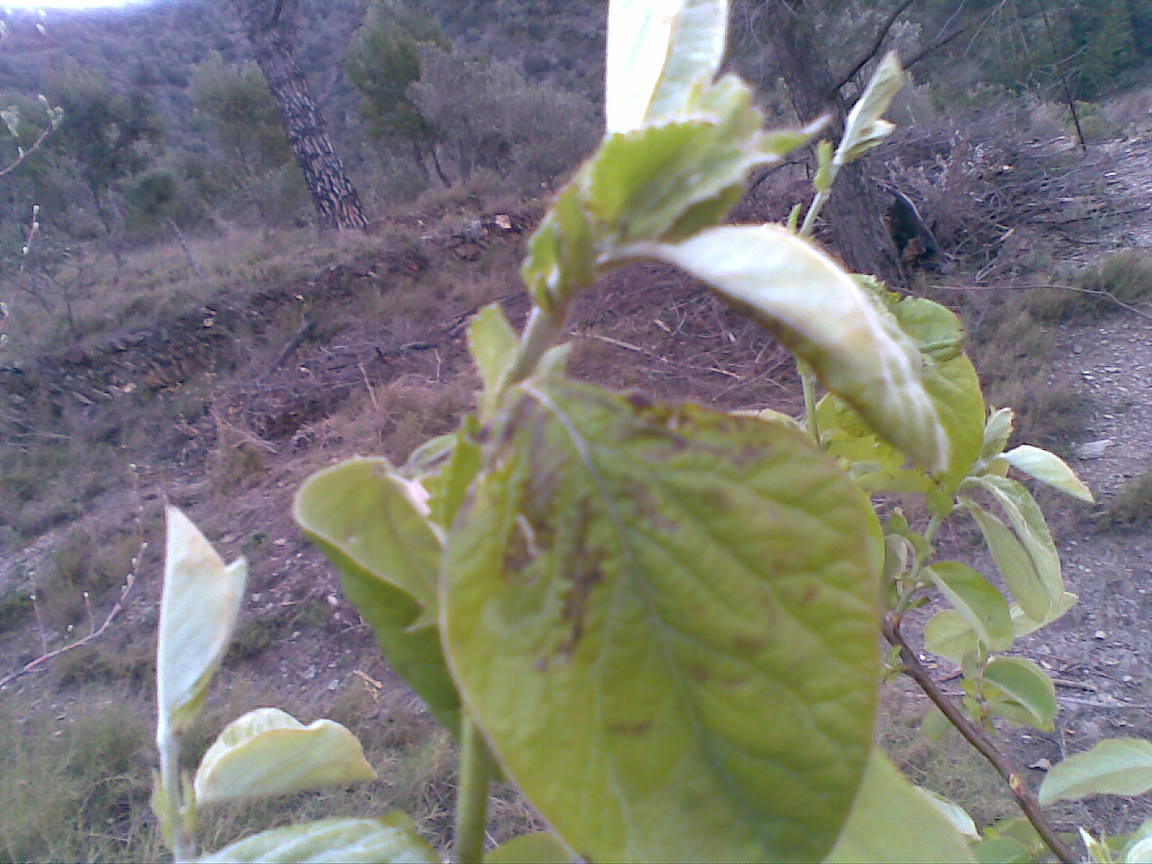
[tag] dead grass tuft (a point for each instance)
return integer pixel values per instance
(1132, 506)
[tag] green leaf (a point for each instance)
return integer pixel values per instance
(1022, 624)
(893, 821)
(977, 600)
(388, 554)
(1031, 529)
(1114, 766)
(1013, 562)
(539, 848)
(949, 378)
(864, 128)
(1047, 468)
(949, 635)
(268, 752)
(198, 611)
(997, 431)
(657, 53)
(392, 839)
(820, 313)
(561, 254)
(1138, 847)
(664, 670)
(874, 465)
(956, 815)
(1020, 691)
(364, 515)
(492, 342)
(1002, 850)
(696, 48)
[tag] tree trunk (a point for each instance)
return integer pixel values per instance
(857, 228)
(337, 203)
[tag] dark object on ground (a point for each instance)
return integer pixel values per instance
(913, 238)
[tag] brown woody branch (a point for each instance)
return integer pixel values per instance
(874, 49)
(974, 735)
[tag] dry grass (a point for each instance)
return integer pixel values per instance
(1131, 508)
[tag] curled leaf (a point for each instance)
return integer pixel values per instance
(198, 611)
(269, 752)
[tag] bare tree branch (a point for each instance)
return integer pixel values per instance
(874, 49)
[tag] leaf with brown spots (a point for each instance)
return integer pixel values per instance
(671, 650)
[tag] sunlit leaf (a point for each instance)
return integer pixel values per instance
(1047, 468)
(389, 560)
(696, 48)
(1020, 691)
(977, 600)
(492, 342)
(893, 821)
(268, 752)
(1114, 766)
(663, 670)
(539, 848)
(198, 611)
(392, 839)
(657, 54)
(1014, 563)
(817, 310)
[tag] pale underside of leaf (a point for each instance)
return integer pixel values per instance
(392, 839)
(1114, 766)
(665, 672)
(818, 311)
(198, 611)
(268, 752)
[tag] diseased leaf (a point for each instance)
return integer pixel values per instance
(950, 636)
(1020, 691)
(796, 291)
(1013, 562)
(389, 558)
(392, 839)
(198, 611)
(539, 848)
(893, 821)
(269, 752)
(656, 662)
(977, 600)
(1114, 766)
(1047, 468)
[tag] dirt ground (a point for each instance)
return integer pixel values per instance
(644, 327)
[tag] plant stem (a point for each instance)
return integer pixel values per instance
(890, 626)
(540, 334)
(818, 201)
(472, 796)
(808, 380)
(183, 846)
